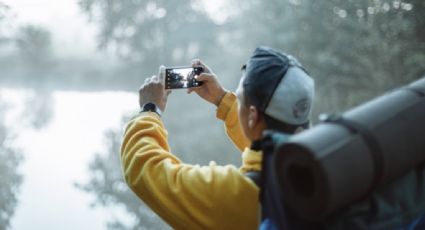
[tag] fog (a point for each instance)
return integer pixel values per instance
(70, 70)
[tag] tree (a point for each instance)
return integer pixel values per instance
(4, 18)
(110, 189)
(35, 51)
(108, 184)
(354, 49)
(38, 108)
(10, 179)
(147, 34)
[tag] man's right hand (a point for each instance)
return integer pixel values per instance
(211, 90)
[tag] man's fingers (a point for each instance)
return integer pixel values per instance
(147, 80)
(161, 74)
(200, 63)
(196, 90)
(190, 90)
(204, 77)
(196, 62)
(155, 79)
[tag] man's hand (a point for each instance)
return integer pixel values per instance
(154, 91)
(211, 90)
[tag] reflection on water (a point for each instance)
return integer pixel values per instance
(57, 156)
(70, 142)
(10, 178)
(107, 183)
(38, 108)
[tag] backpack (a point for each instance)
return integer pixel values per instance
(396, 205)
(364, 169)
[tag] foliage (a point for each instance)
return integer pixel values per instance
(149, 33)
(38, 110)
(4, 17)
(110, 188)
(354, 49)
(10, 178)
(34, 46)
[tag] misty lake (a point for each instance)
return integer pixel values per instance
(57, 156)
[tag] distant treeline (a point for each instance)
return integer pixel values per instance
(354, 49)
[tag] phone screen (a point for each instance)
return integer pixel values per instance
(182, 77)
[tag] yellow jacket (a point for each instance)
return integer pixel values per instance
(191, 196)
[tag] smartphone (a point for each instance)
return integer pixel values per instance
(182, 77)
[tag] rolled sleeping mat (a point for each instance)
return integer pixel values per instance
(343, 159)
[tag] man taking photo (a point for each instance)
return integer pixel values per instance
(275, 92)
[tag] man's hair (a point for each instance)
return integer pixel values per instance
(280, 88)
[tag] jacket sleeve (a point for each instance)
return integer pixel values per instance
(185, 196)
(228, 112)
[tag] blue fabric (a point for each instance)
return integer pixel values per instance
(421, 223)
(417, 224)
(267, 224)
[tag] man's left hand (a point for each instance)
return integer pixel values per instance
(154, 91)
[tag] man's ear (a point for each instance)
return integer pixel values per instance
(253, 117)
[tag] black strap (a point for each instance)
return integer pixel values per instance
(369, 138)
(271, 196)
(255, 176)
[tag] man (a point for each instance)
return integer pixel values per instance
(274, 92)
